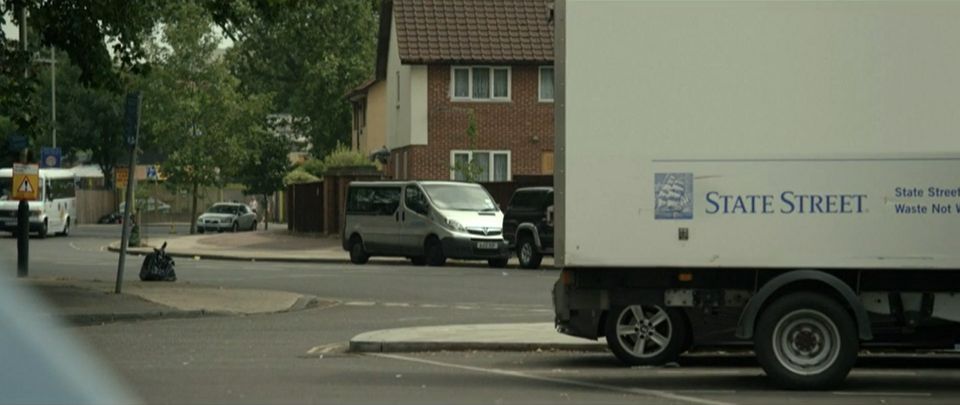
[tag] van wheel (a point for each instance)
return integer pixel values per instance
(527, 253)
(497, 263)
(646, 335)
(434, 252)
(358, 255)
(806, 341)
(66, 229)
(43, 230)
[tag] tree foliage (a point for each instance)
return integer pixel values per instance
(470, 170)
(193, 110)
(308, 54)
(89, 119)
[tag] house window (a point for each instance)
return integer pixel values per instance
(494, 165)
(546, 83)
(480, 83)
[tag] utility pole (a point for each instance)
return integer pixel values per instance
(131, 132)
(53, 93)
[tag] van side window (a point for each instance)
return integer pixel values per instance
(387, 200)
(373, 200)
(415, 200)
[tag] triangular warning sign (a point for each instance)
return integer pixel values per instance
(25, 186)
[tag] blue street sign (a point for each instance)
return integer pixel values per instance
(49, 157)
(152, 172)
(16, 142)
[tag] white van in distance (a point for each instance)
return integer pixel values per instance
(55, 209)
(425, 221)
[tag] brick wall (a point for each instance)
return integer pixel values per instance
(523, 125)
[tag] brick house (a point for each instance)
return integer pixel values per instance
(439, 61)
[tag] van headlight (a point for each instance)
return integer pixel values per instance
(454, 225)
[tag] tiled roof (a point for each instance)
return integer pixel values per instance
(477, 31)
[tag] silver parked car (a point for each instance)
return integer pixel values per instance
(227, 217)
(425, 221)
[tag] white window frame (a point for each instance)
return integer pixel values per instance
(469, 97)
(470, 153)
(540, 83)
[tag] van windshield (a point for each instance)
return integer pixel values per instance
(460, 197)
(6, 188)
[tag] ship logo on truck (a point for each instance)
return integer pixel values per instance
(674, 195)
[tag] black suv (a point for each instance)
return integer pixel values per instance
(528, 224)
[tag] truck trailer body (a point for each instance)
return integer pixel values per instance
(781, 174)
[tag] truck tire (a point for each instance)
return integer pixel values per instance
(527, 253)
(646, 335)
(358, 255)
(806, 341)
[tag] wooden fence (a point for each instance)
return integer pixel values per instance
(93, 204)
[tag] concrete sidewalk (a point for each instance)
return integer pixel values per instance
(495, 337)
(91, 302)
(274, 245)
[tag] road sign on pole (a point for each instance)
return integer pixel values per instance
(26, 182)
(49, 157)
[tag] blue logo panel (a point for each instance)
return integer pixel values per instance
(674, 195)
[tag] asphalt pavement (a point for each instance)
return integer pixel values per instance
(303, 354)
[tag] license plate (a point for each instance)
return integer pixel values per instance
(487, 245)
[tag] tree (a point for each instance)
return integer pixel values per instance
(80, 28)
(470, 170)
(308, 54)
(89, 118)
(264, 166)
(192, 108)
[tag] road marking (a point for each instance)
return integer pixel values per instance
(360, 303)
(881, 394)
(432, 306)
(319, 351)
(605, 387)
(396, 304)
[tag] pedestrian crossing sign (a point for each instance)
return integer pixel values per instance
(26, 182)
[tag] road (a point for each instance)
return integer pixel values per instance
(265, 359)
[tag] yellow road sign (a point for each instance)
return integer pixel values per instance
(123, 175)
(26, 181)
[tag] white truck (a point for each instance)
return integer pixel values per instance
(781, 174)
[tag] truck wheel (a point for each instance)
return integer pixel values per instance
(806, 341)
(358, 255)
(66, 229)
(527, 253)
(434, 252)
(646, 335)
